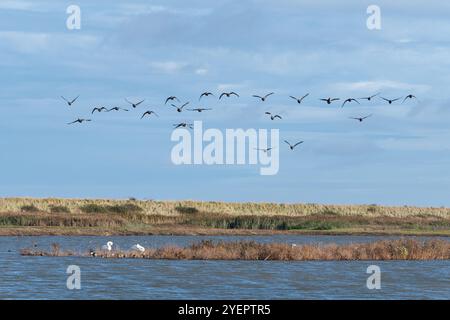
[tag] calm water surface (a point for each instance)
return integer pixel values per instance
(45, 278)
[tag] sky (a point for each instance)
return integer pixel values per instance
(153, 49)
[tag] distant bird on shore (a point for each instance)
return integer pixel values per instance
(108, 246)
(273, 116)
(361, 119)
(199, 109)
(134, 105)
(349, 100)
(117, 109)
(264, 97)
(138, 247)
(180, 109)
(329, 100)
(205, 94)
(183, 125)
(390, 100)
(171, 98)
(80, 121)
(149, 113)
(70, 102)
(293, 146)
(228, 94)
(99, 109)
(409, 96)
(369, 98)
(299, 100)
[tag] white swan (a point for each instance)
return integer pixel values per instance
(108, 246)
(138, 247)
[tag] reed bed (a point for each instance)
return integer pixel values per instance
(403, 249)
(177, 208)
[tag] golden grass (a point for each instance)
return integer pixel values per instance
(169, 208)
(250, 250)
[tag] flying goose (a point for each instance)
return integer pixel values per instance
(149, 112)
(369, 98)
(70, 102)
(99, 109)
(299, 100)
(273, 116)
(293, 146)
(171, 98)
(409, 96)
(205, 94)
(361, 119)
(389, 100)
(263, 98)
(228, 94)
(117, 109)
(199, 109)
(265, 150)
(180, 109)
(349, 100)
(134, 105)
(183, 125)
(80, 121)
(330, 100)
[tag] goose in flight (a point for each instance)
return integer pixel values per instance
(361, 119)
(349, 100)
(138, 247)
(205, 94)
(299, 100)
(228, 94)
(70, 102)
(99, 109)
(199, 109)
(369, 98)
(330, 100)
(264, 97)
(108, 246)
(171, 98)
(183, 125)
(117, 109)
(292, 146)
(180, 109)
(273, 116)
(149, 113)
(80, 121)
(265, 150)
(389, 100)
(409, 96)
(134, 105)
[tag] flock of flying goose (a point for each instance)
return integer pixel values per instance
(178, 107)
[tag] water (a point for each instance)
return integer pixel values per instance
(45, 277)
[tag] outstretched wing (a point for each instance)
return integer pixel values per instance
(234, 93)
(300, 142)
(223, 94)
(74, 100)
(184, 105)
(136, 104)
(269, 94)
(301, 99)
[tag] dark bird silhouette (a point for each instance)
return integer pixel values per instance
(264, 97)
(369, 98)
(329, 100)
(205, 94)
(171, 98)
(348, 101)
(409, 96)
(99, 109)
(199, 109)
(389, 100)
(149, 113)
(183, 125)
(264, 150)
(299, 100)
(294, 145)
(228, 94)
(134, 105)
(180, 109)
(80, 121)
(117, 109)
(361, 119)
(274, 116)
(70, 102)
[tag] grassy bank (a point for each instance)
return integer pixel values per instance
(245, 250)
(21, 216)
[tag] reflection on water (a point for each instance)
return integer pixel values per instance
(45, 278)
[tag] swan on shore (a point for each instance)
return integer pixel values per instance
(138, 247)
(108, 246)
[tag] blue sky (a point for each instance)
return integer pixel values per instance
(153, 49)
